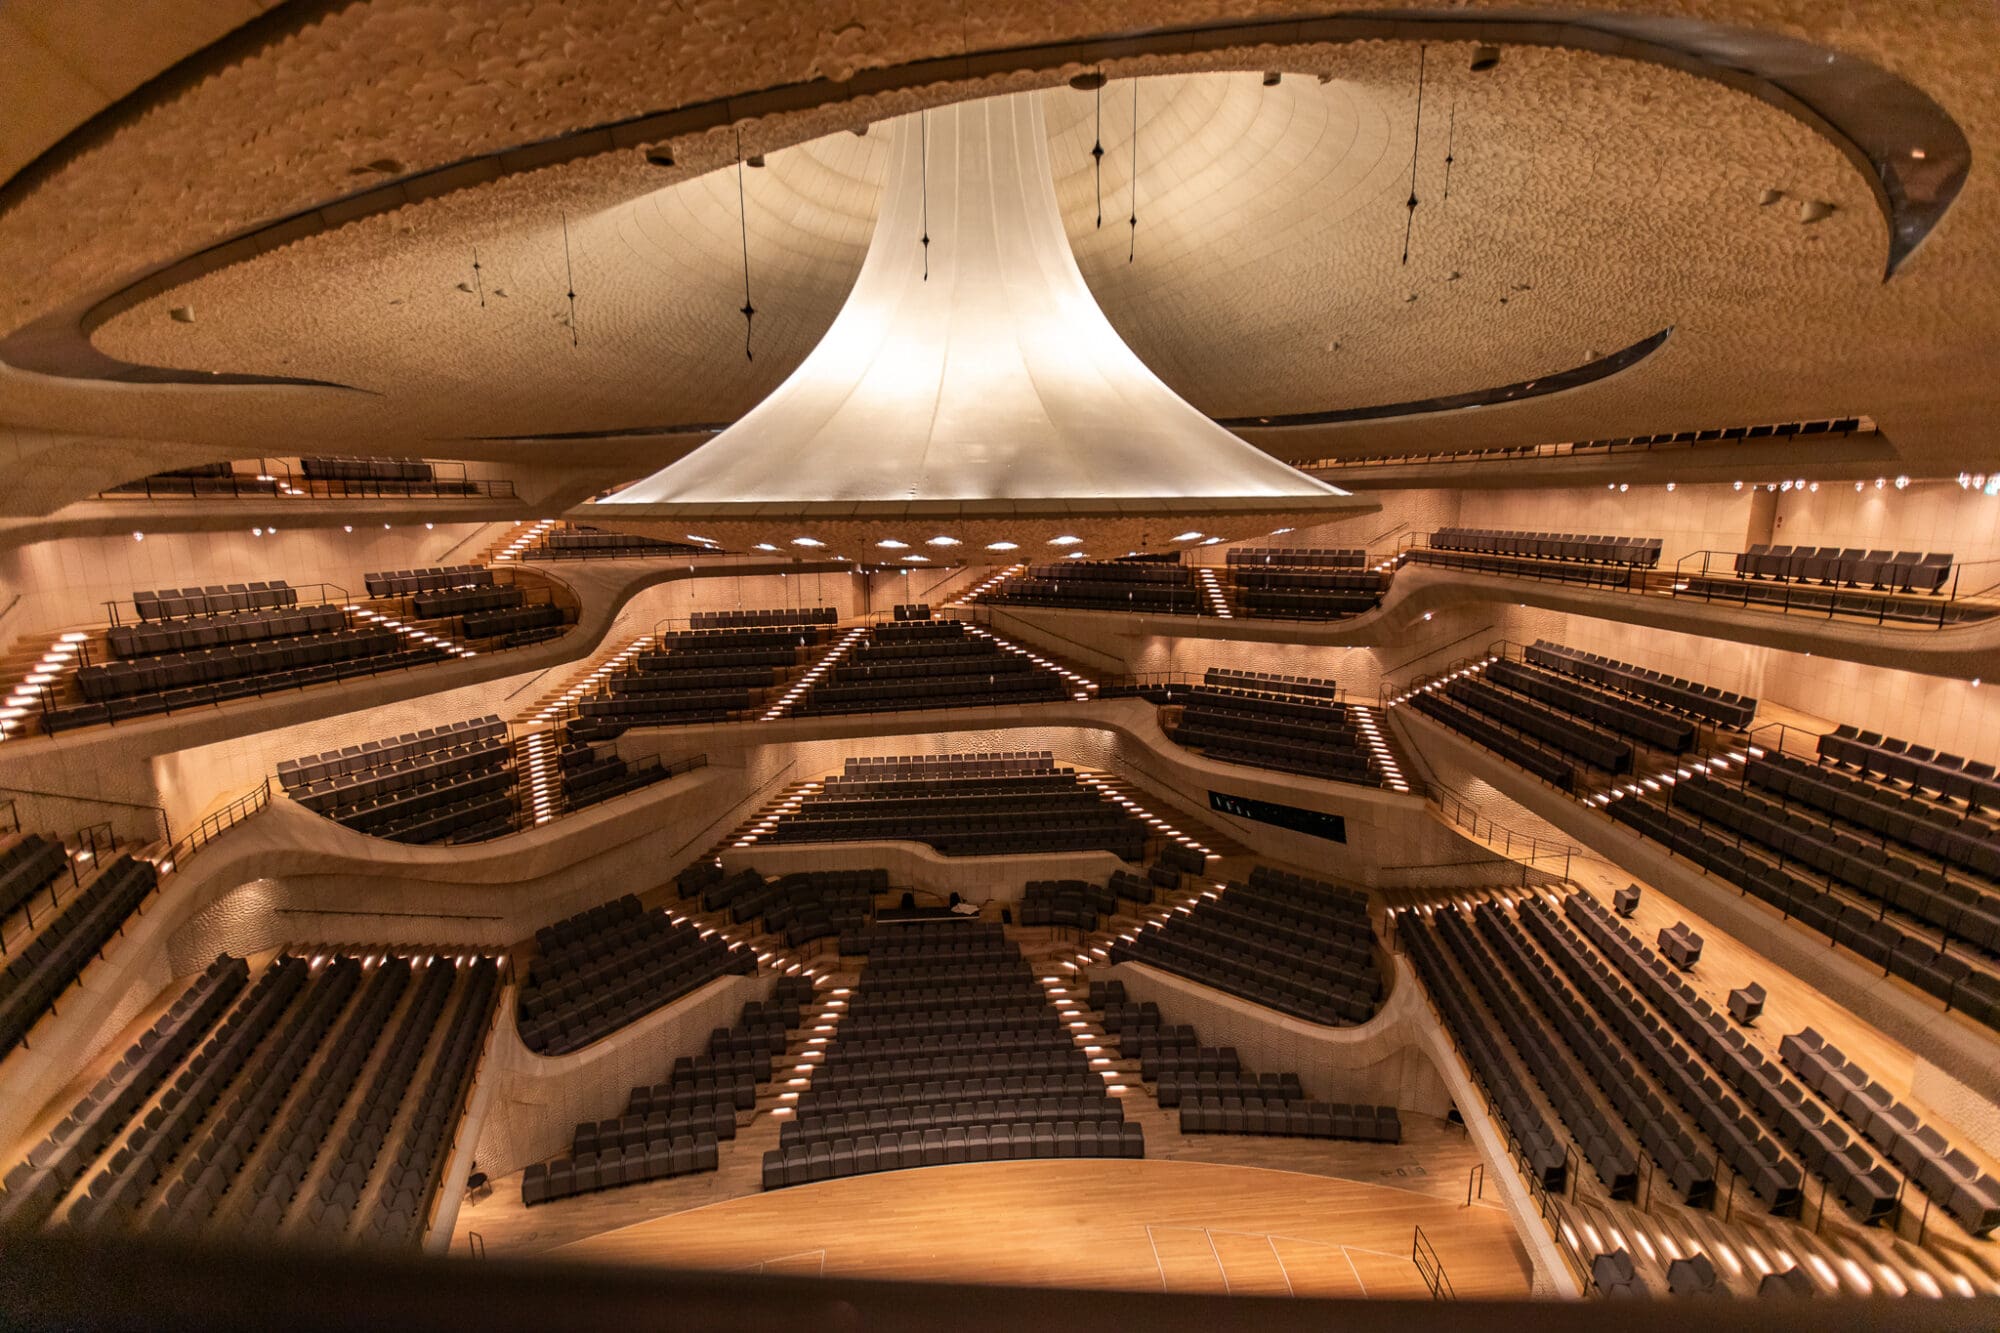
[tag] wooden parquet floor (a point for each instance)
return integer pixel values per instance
(1121, 1225)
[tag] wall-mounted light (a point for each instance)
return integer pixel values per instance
(138, 536)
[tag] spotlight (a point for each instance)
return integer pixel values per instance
(1484, 58)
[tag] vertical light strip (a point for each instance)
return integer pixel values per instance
(1213, 587)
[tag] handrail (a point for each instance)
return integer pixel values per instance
(1430, 1267)
(1722, 578)
(113, 605)
(165, 834)
(214, 825)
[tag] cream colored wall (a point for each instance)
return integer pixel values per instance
(66, 583)
(1953, 715)
(1687, 518)
(1927, 516)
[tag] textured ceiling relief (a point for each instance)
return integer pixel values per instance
(1271, 224)
(1594, 201)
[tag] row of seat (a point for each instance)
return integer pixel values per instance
(1531, 1136)
(782, 617)
(1727, 1120)
(1882, 607)
(1676, 735)
(1917, 766)
(152, 639)
(1962, 982)
(1574, 1061)
(120, 1188)
(1579, 740)
(1643, 552)
(36, 1186)
(345, 1166)
(28, 865)
(431, 578)
(1250, 950)
(1962, 911)
(447, 602)
(1719, 706)
(1851, 1173)
(1296, 557)
(170, 672)
(1945, 1173)
(601, 980)
(50, 962)
(214, 599)
(1074, 903)
(309, 771)
(403, 1199)
(347, 467)
(1544, 764)
(212, 1164)
(1595, 574)
(516, 624)
(1851, 566)
(1963, 841)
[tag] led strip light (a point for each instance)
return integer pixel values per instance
(1668, 777)
(59, 658)
(512, 551)
(825, 1024)
(544, 790)
(1433, 686)
(811, 678)
(1085, 1034)
(789, 804)
(1364, 718)
(1105, 790)
(1213, 588)
(968, 598)
(374, 619)
(589, 683)
(1081, 687)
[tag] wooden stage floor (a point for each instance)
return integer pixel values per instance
(1150, 1225)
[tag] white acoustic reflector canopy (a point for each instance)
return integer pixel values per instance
(971, 389)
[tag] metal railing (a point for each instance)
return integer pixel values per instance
(215, 825)
(1644, 444)
(1430, 1267)
(1844, 596)
(115, 609)
(274, 479)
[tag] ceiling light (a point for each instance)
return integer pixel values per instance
(1860, 485)
(764, 546)
(1003, 546)
(807, 541)
(1902, 482)
(1187, 537)
(1065, 541)
(1739, 486)
(1670, 485)
(943, 541)
(891, 544)
(347, 527)
(138, 536)
(1077, 555)
(1211, 541)
(706, 541)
